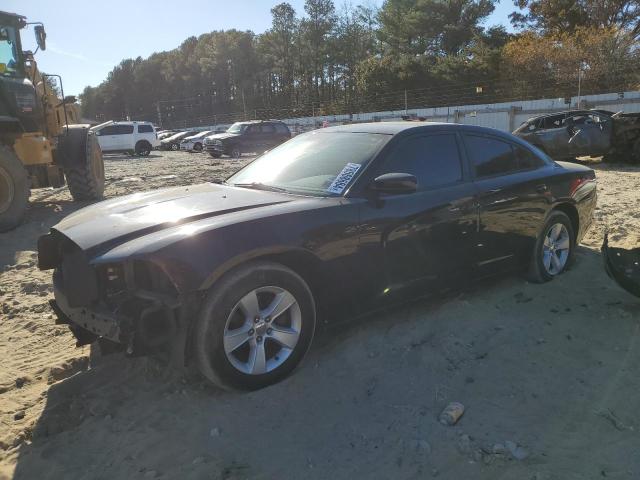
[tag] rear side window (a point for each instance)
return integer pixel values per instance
(281, 128)
(268, 128)
(145, 129)
(555, 121)
(490, 156)
(123, 129)
(433, 159)
(526, 159)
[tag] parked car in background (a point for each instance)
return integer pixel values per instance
(356, 216)
(165, 134)
(194, 142)
(173, 142)
(254, 136)
(131, 137)
(585, 133)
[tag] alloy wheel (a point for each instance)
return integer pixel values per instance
(556, 249)
(262, 330)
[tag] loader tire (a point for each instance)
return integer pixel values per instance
(14, 190)
(84, 167)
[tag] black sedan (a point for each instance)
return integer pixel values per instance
(230, 275)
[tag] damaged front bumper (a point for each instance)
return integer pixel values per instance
(132, 303)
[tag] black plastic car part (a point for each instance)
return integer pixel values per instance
(623, 266)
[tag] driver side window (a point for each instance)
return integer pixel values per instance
(433, 159)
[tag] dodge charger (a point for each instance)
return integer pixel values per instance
(232, 275)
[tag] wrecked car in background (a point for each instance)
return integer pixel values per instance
(585, 133)
(342, 220)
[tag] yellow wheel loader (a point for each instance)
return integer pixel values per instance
(42, 141)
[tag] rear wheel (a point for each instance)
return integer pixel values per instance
(84, 167)
(175, 146)
(235, 152)
(254, 327)
(143, 148)
(14, 190)
(554, 248)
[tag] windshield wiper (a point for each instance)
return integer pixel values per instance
(260, 186)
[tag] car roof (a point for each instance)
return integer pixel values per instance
(568, 112)
(395, 128)
(251, 122)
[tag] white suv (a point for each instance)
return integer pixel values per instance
(130, 137)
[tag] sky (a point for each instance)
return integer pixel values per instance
(85, 40)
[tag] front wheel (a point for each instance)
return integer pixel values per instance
(14, 190)
(254, 327)
(197, 147)
(554, 248)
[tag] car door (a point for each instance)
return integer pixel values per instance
(552, 135)
(250, 139)
(268, 137)
(123, 137)
(107, 138)
(420, 240)
(590, 134)
(512, 196)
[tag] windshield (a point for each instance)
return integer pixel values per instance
(315, 163)
(8, 52)
(237, 128)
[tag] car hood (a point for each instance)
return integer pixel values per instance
(112, 222)
(222, 136)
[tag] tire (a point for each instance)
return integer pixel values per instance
(84, 167)
(542, 267)
(14, 190)
(197, 147)
(143, 148)
(230, 367)
(235, 152)
(175, 146)
(215, 155)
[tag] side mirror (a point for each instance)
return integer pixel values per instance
(41, 37)
(395, 183)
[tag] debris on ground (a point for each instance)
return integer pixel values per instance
(451, 414)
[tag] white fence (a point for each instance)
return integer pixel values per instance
(505, 116)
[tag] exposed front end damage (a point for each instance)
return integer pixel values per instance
(623, 266)
(133, 303)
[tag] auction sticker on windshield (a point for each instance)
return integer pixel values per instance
(344, 177)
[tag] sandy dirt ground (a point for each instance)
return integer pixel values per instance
(548, 374)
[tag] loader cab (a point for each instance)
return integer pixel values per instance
(19, 110)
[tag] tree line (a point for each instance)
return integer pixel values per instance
(405, 54)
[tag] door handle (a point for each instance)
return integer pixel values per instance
(495, 190)
(541, 188)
